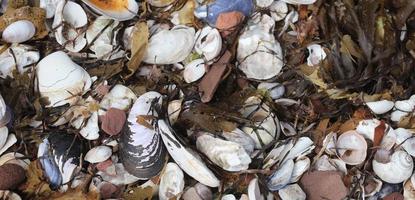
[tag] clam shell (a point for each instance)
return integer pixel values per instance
(115, 9)
(98, 154)
(253, 190)
(300, 2)
(174, 109)
(265, 130)
(277, 154)
(406, 105)
(194, 70)
(316, 54)
(61, 80)
(197, 192)
(300, 166)
(279, 10)
(276, 90)
(170, 46)
(397, 115)
(119, 97)
(19, 31)
(141, 150)
(228, 155)
(292, 192)
(351, 147)
(17, 55)
(397, 170)
(280, 178)
(240, 137)
(190, 164)
(171, 182)
(208, 43)
(380, 107)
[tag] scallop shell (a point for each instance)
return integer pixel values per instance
(98, 154)
(228, 155)
(61, 80)
(171, 182)
(170, 46)
(253, 190)
(208, 43)
(280, 178)
(19, 31)
(17, 55)
(120, 10)
(194, 70)
(190, 164)
(240, 137)
(141, 150)
(397, 170)
(351, 147)
(380, 107)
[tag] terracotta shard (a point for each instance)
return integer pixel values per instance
(227, 22)
(324, 185)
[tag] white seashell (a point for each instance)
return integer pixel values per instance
(194, 70)
(404, 137)
(121, 177)
(98, 154)
(259, 54)
(170, 46)
(302, 147)
(253, 190)
(15, 158)
(160, 3)
(192, 165)
(119, 97)
(19, 31)
(266, 132)
(330, 141)
(91, 129)
(243, 139)
(300, 166)
(3, 109)
(208, 43)
(228, 155)
(378, 186)
(198, 192)
(278, 154)
(300, 2)
(263, 3)
(11, 140)
(408, 190)
(292, 192)
(380, 107)
(405, 105)
(17, 56)
(367, 129)
(397, 115)
(126, 37)
(316, 54)
(173, 110)
(118, 10)
(275, 90)
(280, 178)
(279, 10)
(171, 182)
(9, 195)
(351, 147)
(61, 80)
(4, 133)
(228, 197)
(49, 6)
(397, 170)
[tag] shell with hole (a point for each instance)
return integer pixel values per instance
(19, 31)
(230, 156)
(61, 80)
(397, 170)
(141, 150)
(171, 182)
(17, 56)
(208, 43)
(170, 46)
(351, 147)
(259, 54)
(120, 10)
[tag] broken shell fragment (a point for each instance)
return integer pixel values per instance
(300, 166)
(404, 137)
(253, 190)
(170, 46)
(380, 107)
(119, 97)
(228, 155)
(208, 43)
(275, 90)
(9, 195)
(17, 56)
(160, 3)
(292, 192)
(61, 80)
(194, 70)
(120, 10)
(351, 147)
(197, 192)
(49, 6)
(98, 154)
(316, 54)
(91, 130)
(19, 31)
(397, 170)
(171, 182)
(243, 139)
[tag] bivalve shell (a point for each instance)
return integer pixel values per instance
(194, 70)
(292, 192)
(404, 137)
(119, 97)
(397, 170)
(98, 154)
(160, 3)
(351, 147)
(380, 107)
(19, 31)
(300, 2)
(208, 43)
(171, 182)
(243, 139)
(276, 90)
(117, 9)
(316, 54)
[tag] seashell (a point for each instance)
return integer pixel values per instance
(300, 166)
(171, 182)
(240, 137)
(61, 80)
(11, 176)
(280, 178)
(278, 153)
(259, 54)
(49, 6)
(408, 190)
(74, 17)
(279, 10)
(120, 10)
(316, 54)
(4, 133)
(119, 97)
(208, 43)
(190, 164)
(194, 70)
(9, 195)
(275, 90)
(292, 192)
(380, 107)
(15, 158)
(170, 46)
(374, 185)
(19, 31)
(406, 105)
(228, 197)
(17, 56)
(121, 176)
(98, 154)
(141, 150)
(228, 155)
(160, 3)
(367, 129)
(4, 116)
(253, 190)
(59, 157)
(263, 3)
(173, 110)
(397, 115)
(330, 142)
(324, 163)
(91, 129)
(302, 147)
(300, 2)
(397, 170)
(404, 137)
(198, 192)
(351, 148)
(11, 140)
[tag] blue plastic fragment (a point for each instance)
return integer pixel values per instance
(211, 12)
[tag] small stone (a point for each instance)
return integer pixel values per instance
(324, 185)
(394, 196)
(11, 176)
